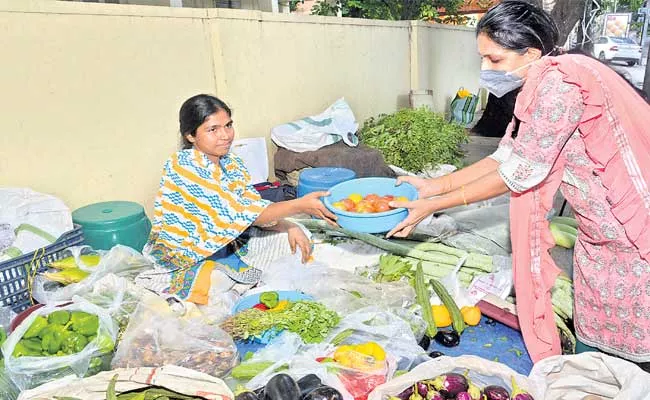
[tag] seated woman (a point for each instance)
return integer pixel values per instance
(206, 203)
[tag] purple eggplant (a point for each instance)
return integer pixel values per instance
(494, 392)
(449, 385)
(406, 393)
(518, 393)
(463, 396)
(422, 389)
(433, 395)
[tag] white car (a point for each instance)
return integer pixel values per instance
(610, 48)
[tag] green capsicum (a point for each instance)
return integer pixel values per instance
(3, 336)
(21, 351)
(60, 317)
(86, 326)
(105, 343)
(32, 344)
(73, 343)
(36, 327)
(270, 299)
(51, 342)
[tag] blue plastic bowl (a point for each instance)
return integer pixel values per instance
(375, 222)
(249, 301)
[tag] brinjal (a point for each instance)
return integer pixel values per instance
(422, 389)
(518, 393)
(281, 387)
(433, 395)
(436, 354)
(406, 393)
(246, 396)
(308, 383)
(494, 392)
(463, 396)
(447, 338)
(324, 393)
(449, 385)
(425, 342)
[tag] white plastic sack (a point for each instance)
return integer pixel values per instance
(177, 379)
(43, 219)
(481, 372)
(311, 133)
(120, 260)
(29, 372)
(574, 377)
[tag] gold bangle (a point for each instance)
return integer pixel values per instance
(462, 191)
(449, 184)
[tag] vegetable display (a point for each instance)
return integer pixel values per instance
(459, 387)
(61, 333)
(309, 319)
(415, 139)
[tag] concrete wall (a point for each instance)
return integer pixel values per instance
(91, 91)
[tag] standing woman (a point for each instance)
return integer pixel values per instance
(580, 128)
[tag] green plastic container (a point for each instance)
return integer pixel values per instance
(113, 222)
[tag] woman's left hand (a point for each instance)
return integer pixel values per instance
(418, 210)
(298, 239)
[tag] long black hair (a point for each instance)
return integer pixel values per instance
(518, 26)
(193, 113)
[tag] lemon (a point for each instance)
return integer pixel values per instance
(356, 197)
(441, 316)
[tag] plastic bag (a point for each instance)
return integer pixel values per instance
(155, 336)
(481, 372)
(392, 332)
(8, 391)
(573, 377)
(463, 107)
(312, 133)
(177, 379)
(29, 372)
(341, 291)
(120, 260)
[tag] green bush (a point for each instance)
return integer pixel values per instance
(415, 139)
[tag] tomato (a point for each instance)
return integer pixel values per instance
(382, 206)
(340, 206)
(364, 207)
(349, 204)
(388, 197)
(371, 197)
(260, 306)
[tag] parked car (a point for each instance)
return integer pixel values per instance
(610, 48)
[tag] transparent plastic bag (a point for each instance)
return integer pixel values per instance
(341, 291)
(121, 260)
(480, 371)
(392, 332)
(28, 372)
(156, 336)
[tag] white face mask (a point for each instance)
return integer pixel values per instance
(501, 82)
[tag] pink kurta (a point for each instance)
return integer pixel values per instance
(581, 129)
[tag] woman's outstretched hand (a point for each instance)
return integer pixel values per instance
(418, 210)
(311, 204)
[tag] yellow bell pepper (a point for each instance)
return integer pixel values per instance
(471, 315)
(365, 356)
(282, 305)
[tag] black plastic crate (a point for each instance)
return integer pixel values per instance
(13, 273)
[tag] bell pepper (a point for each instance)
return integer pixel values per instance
(270, 299)
(52, 341)
(86, 326)
(73, 343)
(33, 344)
(105, 343)
(21, 351)
(365, 356)
(260, 307)
(60, 317)
(36, 327)
(281, 306)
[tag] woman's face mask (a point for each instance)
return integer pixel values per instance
(501, 82)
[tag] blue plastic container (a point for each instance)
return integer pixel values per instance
(375, 222)
(323, 178)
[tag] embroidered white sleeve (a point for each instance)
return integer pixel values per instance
(520, 174)
(502, 154)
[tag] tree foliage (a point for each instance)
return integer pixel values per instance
(386, 9)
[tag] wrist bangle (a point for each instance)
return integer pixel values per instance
(462, 191)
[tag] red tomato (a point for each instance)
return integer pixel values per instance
(382, 206)
(388, 197)
(260, 306)
(349, 204)
(363, 207)
(371, 197)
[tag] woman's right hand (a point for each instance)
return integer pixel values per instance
(426, 187)
(311, 204)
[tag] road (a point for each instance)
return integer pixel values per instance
(636, 73)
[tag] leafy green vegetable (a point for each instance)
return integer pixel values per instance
(309, 319)
(250, 370)
(392, 268)
(415, 139)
